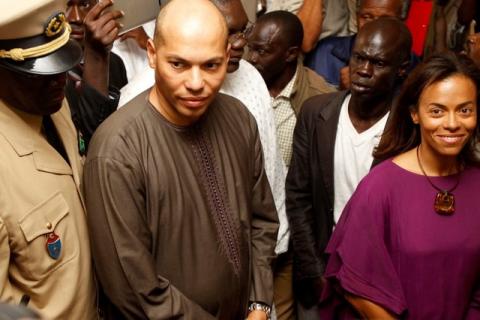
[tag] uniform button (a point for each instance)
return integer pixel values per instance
(48, 225)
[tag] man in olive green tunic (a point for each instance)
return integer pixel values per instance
(181, 215)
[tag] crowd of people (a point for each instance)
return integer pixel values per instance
(312, 164)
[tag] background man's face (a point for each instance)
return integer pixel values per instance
(189, 71)
(374, 64)
(237, 22)
(374, 9)
(473, 48)
(76, 12)
(267, 50)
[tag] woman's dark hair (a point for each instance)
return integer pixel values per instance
(401, 134)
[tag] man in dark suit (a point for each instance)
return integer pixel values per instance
(333, 142)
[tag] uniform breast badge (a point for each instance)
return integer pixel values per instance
(54, 245)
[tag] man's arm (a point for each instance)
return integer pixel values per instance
(138, 35)
(101, 29)
(311, 16)
(473, 311)
(264, 228)
(6, 294)
(89, 94)
(368, 309)
(300, 215)
(122, 243)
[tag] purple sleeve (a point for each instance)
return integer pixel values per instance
(359, 259)
(474, 308)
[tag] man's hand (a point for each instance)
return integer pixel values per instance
(344, 78)
(257, 315)
(137, 34)
(102, 27)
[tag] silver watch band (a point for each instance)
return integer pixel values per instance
(260, 306)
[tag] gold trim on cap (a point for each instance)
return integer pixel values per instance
(19, 54)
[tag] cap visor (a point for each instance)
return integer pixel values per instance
(56, 62)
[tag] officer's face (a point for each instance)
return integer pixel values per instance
(76, 11)
(34, 94)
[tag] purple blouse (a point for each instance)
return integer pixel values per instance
(392, 248)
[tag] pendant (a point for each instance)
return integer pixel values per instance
(54, 245)
(444, 203)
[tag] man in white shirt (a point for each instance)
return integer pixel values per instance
(333, 141)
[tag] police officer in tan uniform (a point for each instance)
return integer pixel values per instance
(45, 259)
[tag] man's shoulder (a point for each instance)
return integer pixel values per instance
(316, 82)
(119, 125)
(323, 103)
(246, 84)
(335, 41)
(230, 104)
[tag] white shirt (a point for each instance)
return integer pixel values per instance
(352, 156)
(134, 58)
(247, 85)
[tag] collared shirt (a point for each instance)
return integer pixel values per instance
(285, 119)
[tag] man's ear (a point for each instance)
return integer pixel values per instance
(151, 53)
(402, 70)
(292, 54)
(229, 48)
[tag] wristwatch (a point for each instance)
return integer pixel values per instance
(260, 306)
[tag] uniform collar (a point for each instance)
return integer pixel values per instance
(23, 132)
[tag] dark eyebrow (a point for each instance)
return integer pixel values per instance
(261, 43)
(177, 59)
(180, 59)
(463, 104)
(215, 60)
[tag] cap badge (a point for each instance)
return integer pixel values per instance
(55, 24)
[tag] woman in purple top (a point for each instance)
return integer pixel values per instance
(408, 242)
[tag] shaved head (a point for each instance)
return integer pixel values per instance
(190, 55)
(286, 25)
(380, 57)
(187, 17)
(392, 32)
